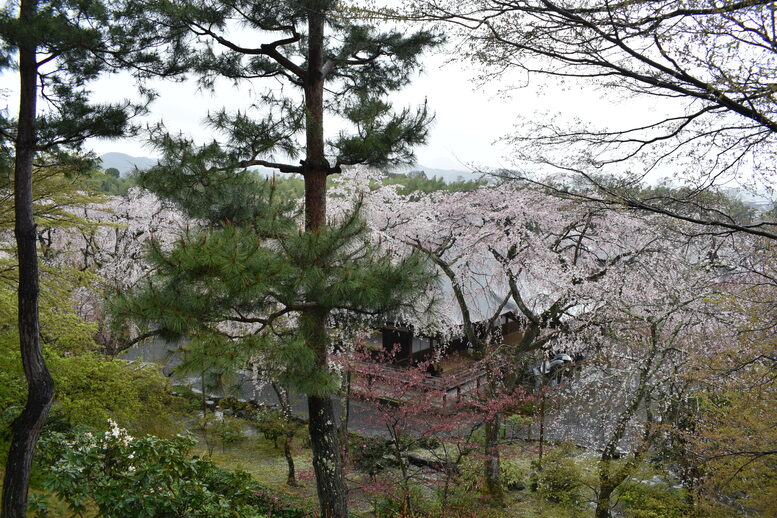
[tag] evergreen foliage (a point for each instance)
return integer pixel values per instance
(56, 48)
(361, 64)
(416, 182)
(91, 387)
(76, 42)
(127, 477)
(253, 267)
(232, 292)
(112, 185)
(708, 203)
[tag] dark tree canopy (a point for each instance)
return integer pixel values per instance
(74, 43)
(357, 62)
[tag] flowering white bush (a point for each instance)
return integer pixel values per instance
(127, 477)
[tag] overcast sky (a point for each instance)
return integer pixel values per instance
(467, 123)
(470, 118)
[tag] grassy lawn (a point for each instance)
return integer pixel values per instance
(259, 457)
(267, 465)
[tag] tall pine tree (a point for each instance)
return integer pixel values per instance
(56, 47)
(252, 265)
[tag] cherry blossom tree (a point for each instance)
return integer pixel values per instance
(510, 252)
(650, 335)
(705, 70)
(114, 247)
(723, 443)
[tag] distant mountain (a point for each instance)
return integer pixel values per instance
(126, 163)
(759, 202)
(449, 175)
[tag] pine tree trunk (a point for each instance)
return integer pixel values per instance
(27, 426)
(330, 481)
(345, 414)
(322, 426)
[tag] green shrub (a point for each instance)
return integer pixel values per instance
(230, 431)
(560, 479)
(219, 428)
(514, 475)
(391, 504)
(428, 443)
(653, 500)
(126, 477)
(271, 423)
(465, 501)
(92, 388)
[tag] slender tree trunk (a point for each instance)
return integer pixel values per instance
(315, 167)
(283, 399)
(203, 405)
(291, 479)
(542, 425)
(608, 481)
(401, 460)
(345, 414)
(492, 469)
(27, 426)
(330, 480)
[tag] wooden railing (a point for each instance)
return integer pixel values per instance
(450, 385)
